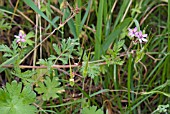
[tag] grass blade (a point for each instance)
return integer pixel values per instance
(121, 12)
(168, 65)
(70, 23)
(7, 62)
(78, 17)
(115, 33)
(31, 4)
(7, 11)
(129, 80)
(86, 14)
(99, 30)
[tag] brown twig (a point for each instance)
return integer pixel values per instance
(39, 107)
(61, 25)
(41, 67)
(153, 9)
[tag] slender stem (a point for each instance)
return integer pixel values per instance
(168, 25)
(61, 25)
(116, 87)
(39, 17)
(127, 9)
(41, 67)
(36, 37)
(168, 66)
(129, 81)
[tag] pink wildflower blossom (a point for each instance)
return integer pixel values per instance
(21, 36)
(141, 37)
(132, 32)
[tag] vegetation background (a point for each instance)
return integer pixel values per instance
(77, 57)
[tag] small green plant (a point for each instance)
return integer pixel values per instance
(84, 56)
(65, 50)
(113, 55)
(161, 109)
(92, 110)
(15, 99)
(4, 25)
(49, 89)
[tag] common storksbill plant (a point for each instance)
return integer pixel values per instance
(138, 34)
(21, 36)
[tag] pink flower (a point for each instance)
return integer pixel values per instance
(132, 32)
(141, 37)
(21, 36)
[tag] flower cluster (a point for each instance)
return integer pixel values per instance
(134, 32)
(21, 37)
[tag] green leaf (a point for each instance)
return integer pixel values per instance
(39, 76)
(7, 55)
(16, 106)
(50, 88)
(4, 26)
(7, 11)
(7, 62)
(140, 54)
(55, 19)
(28, 36)
(123, 8)
(92, 110)
(14, 100)
(98, 35)
(90, 70)
(63, 60)
(85, 15)
(112, 56)
(78, 17)
(66, 15)
(37, 10)
(15, 49)
(5, 48)
(57, 49)
(42, 62)
(115, 33)
(118, 46)
(65, 50)
(25, 75)
(156, 92)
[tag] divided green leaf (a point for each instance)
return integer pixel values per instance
(15, 100)
(112, 56)
(4, 26)
(92, 110)
(50, 88)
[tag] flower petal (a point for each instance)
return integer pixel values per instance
(22, 40)
(18, 40)
(140, 40)
(140, 33)
(16, 36)
(137, 34)
(145, 40)
(145, 35)
(131, 34)
(135, 29)
(130, 30)
(24, 35)
(20, 34)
